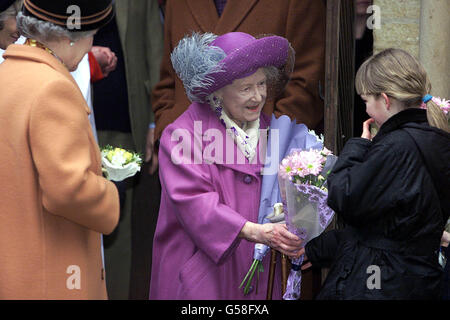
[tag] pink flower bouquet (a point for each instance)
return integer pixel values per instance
(302, 178)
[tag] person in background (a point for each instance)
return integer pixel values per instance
(363, 50)
(391, 190)
(124, 117)
(102, 61)
(162, 9)
(301, 22)
(8, 29)
(56, 203)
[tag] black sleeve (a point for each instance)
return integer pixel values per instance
(322, 249)
(360, 185)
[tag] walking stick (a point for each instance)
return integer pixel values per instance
(273, 262)
(284, 273)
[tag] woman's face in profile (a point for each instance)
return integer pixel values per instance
(244, 99)
(9, 33)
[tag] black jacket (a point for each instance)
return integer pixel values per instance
(393, 195)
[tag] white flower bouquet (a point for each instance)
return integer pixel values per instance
(119, 164)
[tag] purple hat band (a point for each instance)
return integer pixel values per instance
(245, 55)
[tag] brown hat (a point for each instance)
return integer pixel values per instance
(74, 15)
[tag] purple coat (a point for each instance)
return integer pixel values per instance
(197, 253)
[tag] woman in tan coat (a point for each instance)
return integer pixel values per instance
(54, 202)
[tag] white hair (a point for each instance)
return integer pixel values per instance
(10, 12)
(44, 31)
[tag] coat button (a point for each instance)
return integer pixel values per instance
(345, 271)
(247, 179)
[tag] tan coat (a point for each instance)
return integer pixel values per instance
(302, 22)
(53, 201)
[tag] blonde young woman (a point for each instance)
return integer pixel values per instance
(391, 190)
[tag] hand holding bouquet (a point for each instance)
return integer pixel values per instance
(119, 164)
(276, 216)
(289, 135)
(302, 178)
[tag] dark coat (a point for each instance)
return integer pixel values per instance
(141, 36)
(393, 195)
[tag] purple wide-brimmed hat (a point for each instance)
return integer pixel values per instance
(206, 62)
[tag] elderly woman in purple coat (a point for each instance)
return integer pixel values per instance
(210, 169)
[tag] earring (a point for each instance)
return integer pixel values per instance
(72, 43)
(216, 103)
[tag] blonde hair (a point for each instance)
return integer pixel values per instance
(400, 76)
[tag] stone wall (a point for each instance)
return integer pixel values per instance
(400, 25)
(421, 27)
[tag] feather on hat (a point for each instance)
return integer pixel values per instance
(206, 62)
